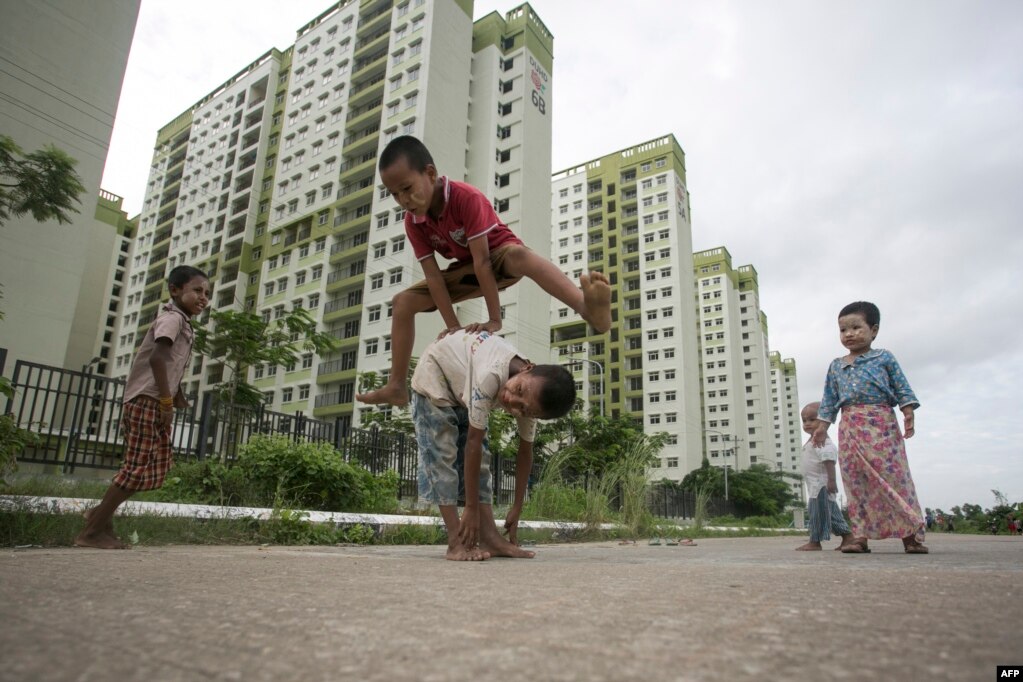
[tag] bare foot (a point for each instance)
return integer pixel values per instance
(105, 534)
(498, 546)
(809, 547)
(494, 543)
(461, 553)
(393, 393)
(596, 300)
(99, 541)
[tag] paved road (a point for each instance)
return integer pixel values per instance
(728, 609)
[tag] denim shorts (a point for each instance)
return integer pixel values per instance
(441, 433)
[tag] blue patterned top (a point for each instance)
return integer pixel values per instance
(873, 378)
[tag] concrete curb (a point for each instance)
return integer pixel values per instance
(77, 505)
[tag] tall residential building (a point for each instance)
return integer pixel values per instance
(270, 182)
(687, 353)
(56, 278)
(735, 369)
(788, 425)
(627, 214)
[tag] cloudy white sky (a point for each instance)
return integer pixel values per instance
(846, 150)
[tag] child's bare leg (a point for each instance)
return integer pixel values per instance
(456, 550)
(493, 542)
(592, 299)
(405, 305)
(809, 547)
(100, 518)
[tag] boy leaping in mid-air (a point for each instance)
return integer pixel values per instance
(457, 221)
(459, 380)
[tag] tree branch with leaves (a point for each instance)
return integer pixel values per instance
(42, 183)
(240, 340)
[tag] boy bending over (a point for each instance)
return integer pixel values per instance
(460, 378)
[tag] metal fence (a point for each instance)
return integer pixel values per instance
(77, 416)
(672, 503)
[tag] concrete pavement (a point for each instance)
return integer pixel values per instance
(727, 609)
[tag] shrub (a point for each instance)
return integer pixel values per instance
(13, 441)
(555, 501)
(208, 482)
(313, 476)
(290, 527)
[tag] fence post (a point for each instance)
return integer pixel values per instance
(337, 433)
(297, 431)
(69, 448)
(204, 426)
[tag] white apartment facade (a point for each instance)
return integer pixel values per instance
(270, 182)
(627, 214)
(63, 66)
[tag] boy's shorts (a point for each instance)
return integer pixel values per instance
(441, 433)
(147, 455)
(460, 278)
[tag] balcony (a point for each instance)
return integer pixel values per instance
(341, 311)
(346, 277)
(364, 87)
(371, 21)
(361, 115)
(372, 65)
(348, 248)
(373, 40)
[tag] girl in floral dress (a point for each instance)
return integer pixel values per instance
(866, 385)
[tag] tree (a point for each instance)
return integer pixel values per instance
(43, 183)
(759, 491)
(240, 340)
(706, 478)
(594, 443)
(755, 491)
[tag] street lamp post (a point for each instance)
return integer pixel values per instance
(600, 370)
(727, 438)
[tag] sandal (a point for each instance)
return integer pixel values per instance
(687, 542)
(857, 546)
(914, 547)
(655, 541)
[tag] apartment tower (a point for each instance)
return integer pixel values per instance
(270, 181)
(627, 214)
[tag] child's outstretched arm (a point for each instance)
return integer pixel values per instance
(480, 250)
(523, 465)
(439, 293)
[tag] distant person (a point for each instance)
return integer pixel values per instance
(950, 526)
(822, 486)
(151, 393)
(930, 521)
(458, 221)
(866, 384)
(460, 379)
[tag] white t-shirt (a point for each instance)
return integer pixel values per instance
(814, 472)
(468, 370)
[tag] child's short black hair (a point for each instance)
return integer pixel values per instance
(869, 311)
(414, 151)
(182, 275)
(557, 395)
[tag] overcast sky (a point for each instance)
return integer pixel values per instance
(847, 151)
